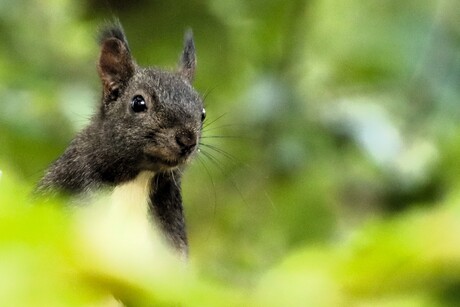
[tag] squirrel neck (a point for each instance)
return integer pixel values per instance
(155, 198)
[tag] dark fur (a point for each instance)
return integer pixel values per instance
(118, 143)
(165, 196)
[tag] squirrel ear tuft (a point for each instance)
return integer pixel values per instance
(115, 65)
(188, 58)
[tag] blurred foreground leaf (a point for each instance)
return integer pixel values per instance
(73, 257)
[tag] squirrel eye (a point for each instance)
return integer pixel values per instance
(203, 114)
(138, 104)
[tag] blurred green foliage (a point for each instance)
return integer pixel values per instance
(332, 173)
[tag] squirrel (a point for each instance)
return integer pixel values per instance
(146, 130)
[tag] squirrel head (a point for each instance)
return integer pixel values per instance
(151, 115)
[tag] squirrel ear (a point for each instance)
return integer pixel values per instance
(188, 58)
(115, 65)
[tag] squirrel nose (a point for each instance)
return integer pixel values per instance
(186, 141)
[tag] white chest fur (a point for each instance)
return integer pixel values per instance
(130, 200)
(118, 236)
(122, 217)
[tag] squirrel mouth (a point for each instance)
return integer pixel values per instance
(159, 163)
